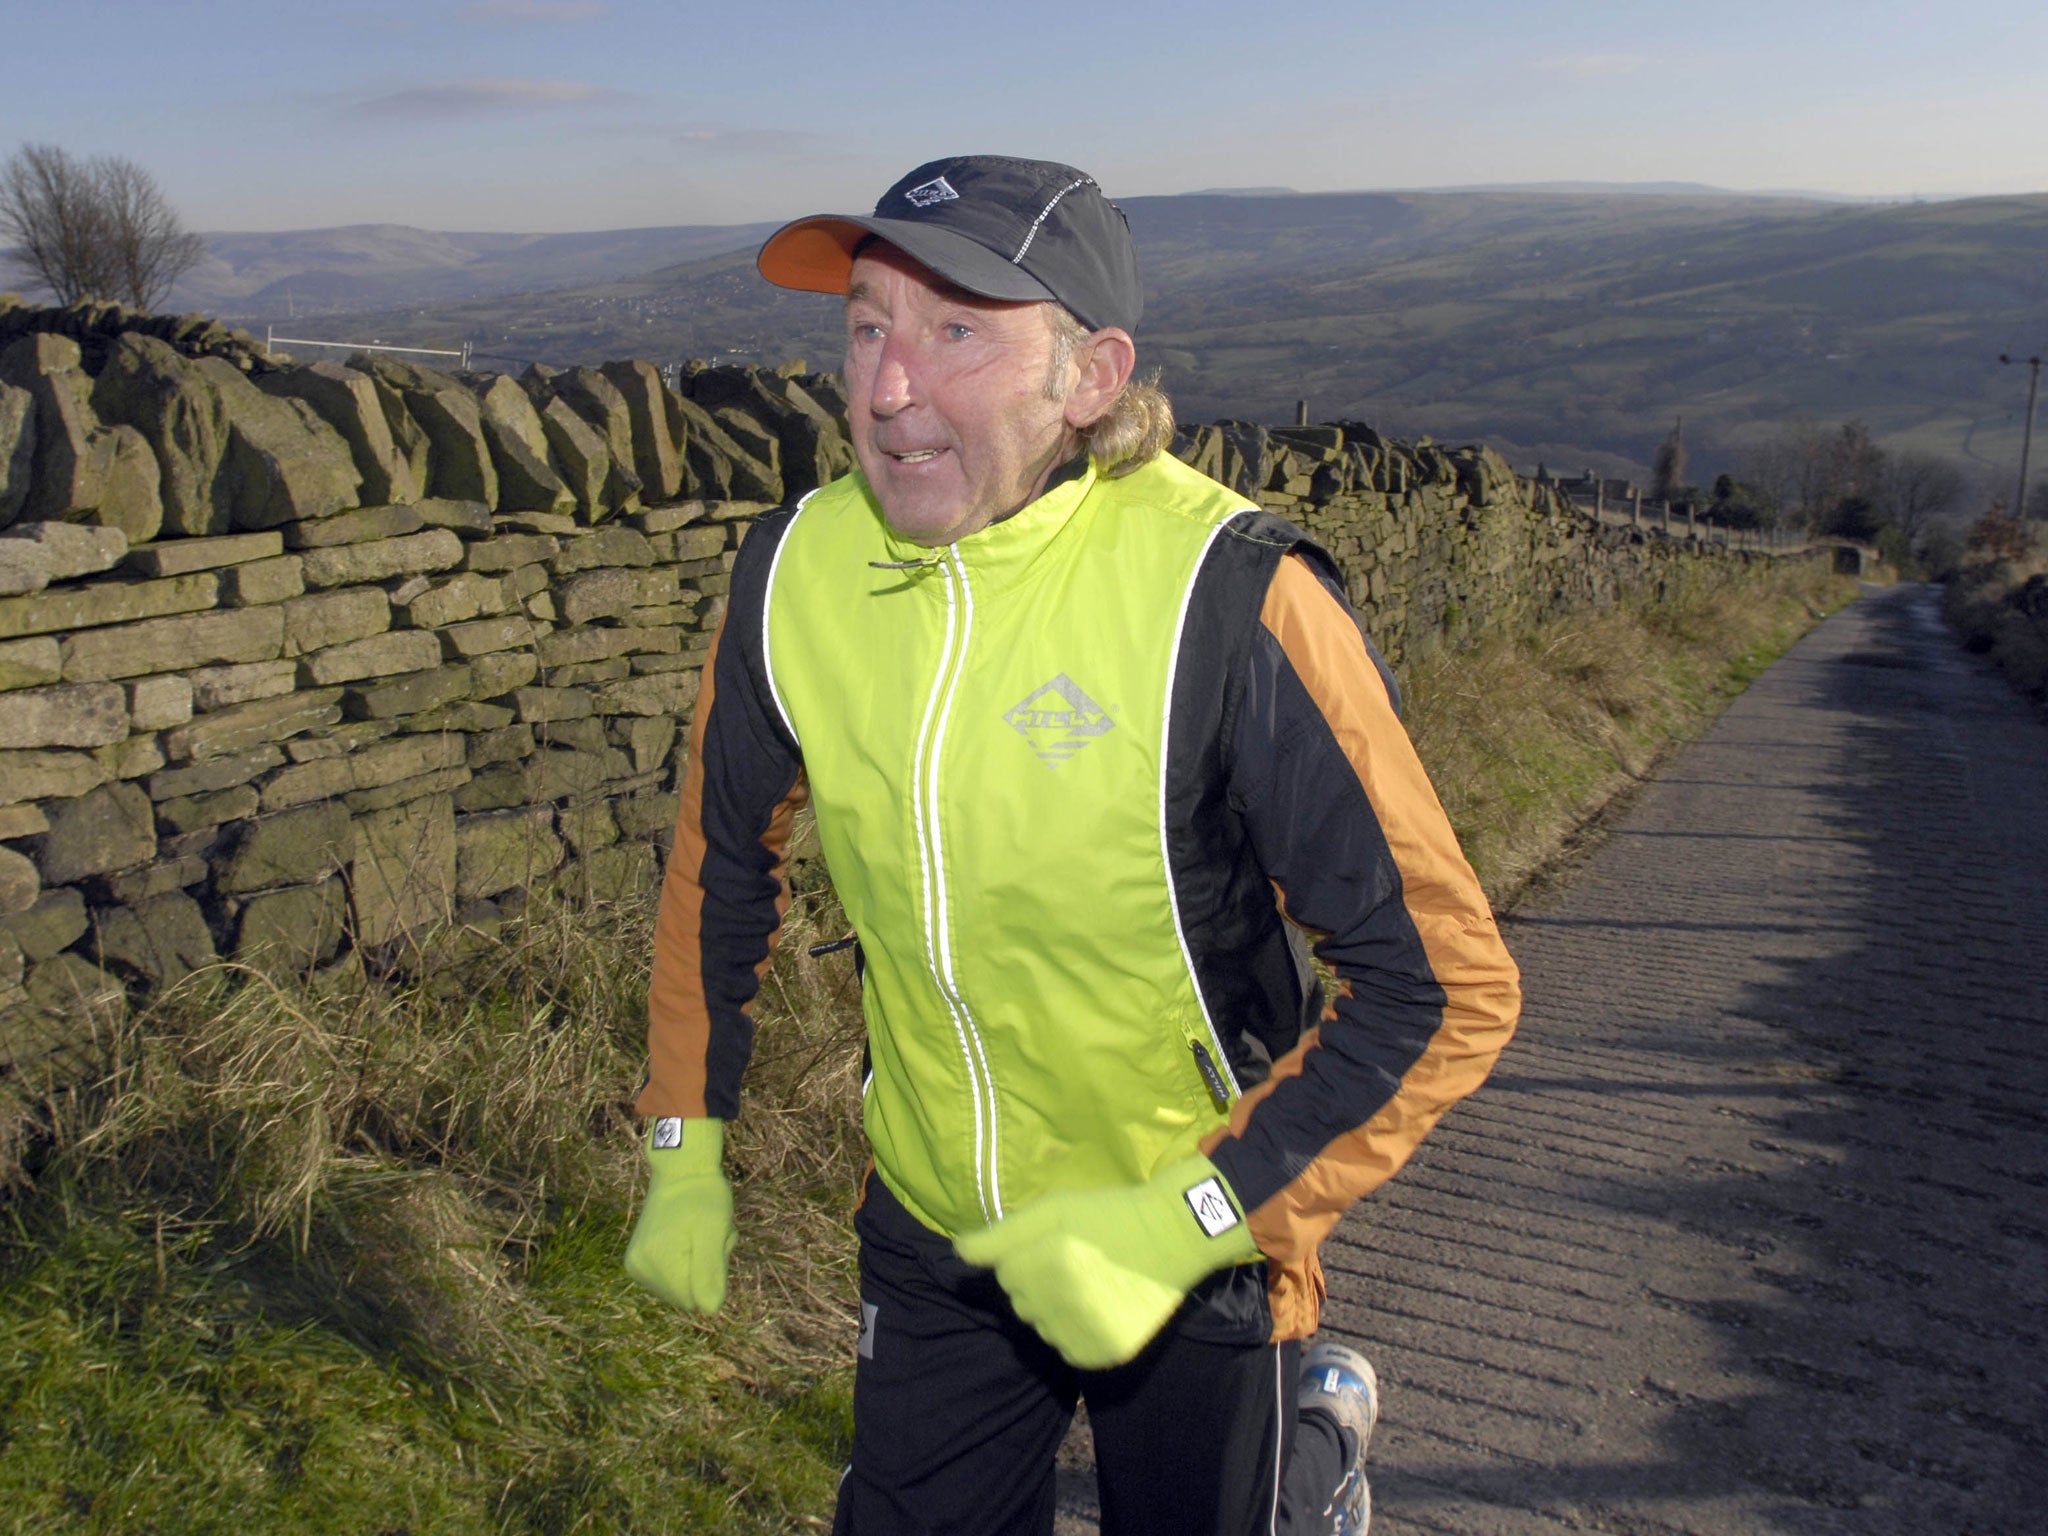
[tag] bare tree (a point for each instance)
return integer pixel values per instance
(1784, 471)
(1807, 470)
(49, 209)
(98, 228)
(1914, 488)
(150, 247)
(1852, 466)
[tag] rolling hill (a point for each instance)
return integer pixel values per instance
(322, 272)
(1559, 325)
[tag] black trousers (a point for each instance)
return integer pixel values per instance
(959, 1409)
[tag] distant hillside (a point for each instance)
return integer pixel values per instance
(1546, 324)
(1562, 326)
(359, 267)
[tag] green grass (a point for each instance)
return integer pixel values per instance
(348, 1263)
(353, 1265)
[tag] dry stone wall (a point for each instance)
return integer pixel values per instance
(1439, 545)
(298, 662)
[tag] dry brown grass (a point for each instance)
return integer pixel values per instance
(1998, 601)
(463, 1119)
(1528, 736)
(797, 1152)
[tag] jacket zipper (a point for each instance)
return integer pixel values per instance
(1217, 1079)
(931, 856)
(1219, 1091)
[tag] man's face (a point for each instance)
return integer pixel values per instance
(952, 420)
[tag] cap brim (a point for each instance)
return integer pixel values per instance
(816, 255)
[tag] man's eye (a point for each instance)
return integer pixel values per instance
(958, 332)
(866, 330)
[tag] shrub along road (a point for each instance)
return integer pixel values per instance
(1747, 1233)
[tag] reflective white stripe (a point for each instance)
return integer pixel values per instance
(1187, 598)
(949, 984)
(1044, 213)
(1279, 1418)
(767, 604)
(933, 897)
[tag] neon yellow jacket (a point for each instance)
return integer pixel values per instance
(1062, 770)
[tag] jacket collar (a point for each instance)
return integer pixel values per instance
(1003, 553)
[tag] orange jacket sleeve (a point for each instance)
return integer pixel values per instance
(724, 893)
(1344, 822)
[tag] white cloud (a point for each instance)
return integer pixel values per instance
(464, 98)
(749, 141)
(522, 13)
(1592, 66)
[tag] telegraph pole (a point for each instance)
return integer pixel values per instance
(2019, 505)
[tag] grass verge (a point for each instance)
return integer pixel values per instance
(1529, 737)
(1997, 600)
(349, 1263)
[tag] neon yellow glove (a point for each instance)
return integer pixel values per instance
(1099, 1271)
(684, 1233)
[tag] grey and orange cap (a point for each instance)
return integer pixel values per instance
(995, 226)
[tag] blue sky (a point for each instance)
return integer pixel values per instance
(588, 114)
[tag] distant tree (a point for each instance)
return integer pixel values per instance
(1783, 471)
(1997, 536)
(49, 209)
(152, 249)
(1941, 549)
(97, 228)
(1855, 517)
(1808, 470)
(1915, 488)
(1852, 466)
(1735, 505)
(1667, 469)
(1774, 472)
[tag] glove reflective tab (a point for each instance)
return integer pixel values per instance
(680, 1243)
(1099, 1271)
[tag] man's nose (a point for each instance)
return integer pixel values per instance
(894, 386)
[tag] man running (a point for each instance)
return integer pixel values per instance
(1098, 751)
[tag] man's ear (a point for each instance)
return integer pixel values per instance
(1106, 359)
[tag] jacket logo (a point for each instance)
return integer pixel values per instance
(870, 1314)
(1211, 1206)
(937, 190)
(1058, 719)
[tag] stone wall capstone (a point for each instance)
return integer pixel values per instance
(298, 662)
